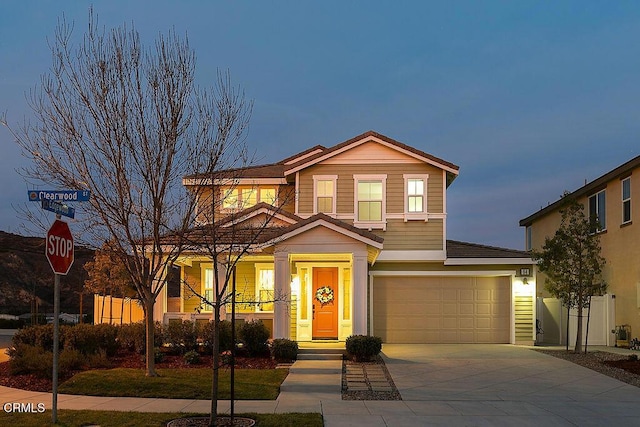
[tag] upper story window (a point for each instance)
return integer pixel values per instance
(265, 281)
(415, 197)
(370, 201)
(324, 194)
(245, 197)
(597, 210)
(626, 200)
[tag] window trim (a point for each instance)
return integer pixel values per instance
(422, 215)
(382, 224)
(318, 178)
(596, 198)
(258, 268)
(625, 201)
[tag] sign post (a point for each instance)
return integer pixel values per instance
(59, 250)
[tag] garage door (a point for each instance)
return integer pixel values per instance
(442, 309)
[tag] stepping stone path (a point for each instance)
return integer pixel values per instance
(367, 377)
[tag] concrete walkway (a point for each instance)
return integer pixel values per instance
(448, 385)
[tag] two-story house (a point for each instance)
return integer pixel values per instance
(357, 244)
(609, 199)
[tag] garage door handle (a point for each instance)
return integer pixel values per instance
(313, 312)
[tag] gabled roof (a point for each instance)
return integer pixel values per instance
(366, 137)
(315, 155)
(255, 210)
(456, 249)
(335, 224)
(586, 190)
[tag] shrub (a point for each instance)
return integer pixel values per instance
(205, 336)
(180, 335)
(100, 360)
(70, 360)
(284, 350)
(158, 355)
(192, 357)
(37, 335)
(29, 359)
(363, 348)
(108, 336)
(254, 336)
(132, 337)
(91, 339)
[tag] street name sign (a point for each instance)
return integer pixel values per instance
(59, 196)
(59, 247)
(58, 208)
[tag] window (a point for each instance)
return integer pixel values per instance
(597, 212)
(173, 281)
(249, 197)
(626, 200)
(324, 194)
(370, 202)
(528, 237)
(415, 197)
(268, 195)
(230, 198)
(208, 289)
(245, 197)
(264, 287)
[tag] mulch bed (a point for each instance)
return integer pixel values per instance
(613, 365)
(126, 360)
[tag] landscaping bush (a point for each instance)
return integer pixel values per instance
(180, 336)
(36, 335)
(192, 357)
(100, 360)
(284, 350)
(70, 360)
(254, 336)
(132, 337)
(363, 348)
(30, 359)
(205, 336)
(91, 339)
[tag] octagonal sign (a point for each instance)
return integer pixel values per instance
(59, 247)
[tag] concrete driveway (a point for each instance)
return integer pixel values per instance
(488, 385)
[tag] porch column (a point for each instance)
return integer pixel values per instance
(282, 285)
(360, 268)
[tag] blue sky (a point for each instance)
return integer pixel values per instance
(529, 98)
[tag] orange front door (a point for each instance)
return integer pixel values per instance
(325, 303)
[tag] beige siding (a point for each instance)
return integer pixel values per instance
(412, 235)
(524, 320)
(395, 185)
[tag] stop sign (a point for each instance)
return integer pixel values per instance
(59, 247)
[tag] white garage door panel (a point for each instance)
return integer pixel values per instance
(442, 309)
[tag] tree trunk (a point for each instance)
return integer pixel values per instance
(578, 348)
(213, 415)
(150, 350)
(586, 335)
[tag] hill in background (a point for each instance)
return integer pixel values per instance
(26, 278)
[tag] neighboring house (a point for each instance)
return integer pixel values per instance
(610, 199)
(357, 244)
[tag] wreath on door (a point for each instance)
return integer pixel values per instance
(324, 295)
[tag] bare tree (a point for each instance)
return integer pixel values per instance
(227, 237)
(127, 123)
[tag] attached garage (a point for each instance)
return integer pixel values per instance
(429, 309)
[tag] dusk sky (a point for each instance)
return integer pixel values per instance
(529, 98)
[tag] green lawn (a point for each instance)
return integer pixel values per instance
(68, 418)
(194, 383)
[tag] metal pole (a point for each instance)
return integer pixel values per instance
(56, 342)
(233, 341)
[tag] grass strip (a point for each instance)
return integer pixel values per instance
(72, 418)
(193, 383)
